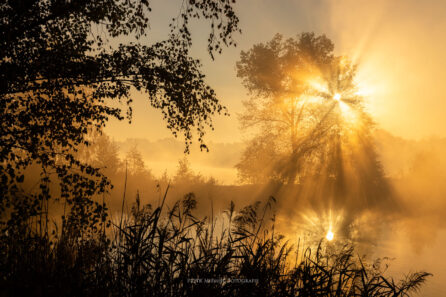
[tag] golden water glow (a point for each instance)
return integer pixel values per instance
(321, 224)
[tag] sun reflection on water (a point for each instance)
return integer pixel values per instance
(317, 226)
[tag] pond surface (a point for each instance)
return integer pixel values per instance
(410, 256)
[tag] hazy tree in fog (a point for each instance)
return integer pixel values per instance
(292, 116)
(67, 67)
(307, 116)
(102, 152)
(185, 175)
(134, 161)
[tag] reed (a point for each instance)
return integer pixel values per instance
(169, 251)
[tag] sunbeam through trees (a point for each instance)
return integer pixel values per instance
(123, 171)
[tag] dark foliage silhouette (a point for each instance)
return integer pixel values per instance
(169, 251)
(61, 72)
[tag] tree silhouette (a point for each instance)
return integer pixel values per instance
(61, 73)
(311, 126)
(134, 161)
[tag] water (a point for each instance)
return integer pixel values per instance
(411, 256)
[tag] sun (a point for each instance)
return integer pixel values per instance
(330, 235)
(337, 97)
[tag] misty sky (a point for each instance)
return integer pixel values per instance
(399, 45)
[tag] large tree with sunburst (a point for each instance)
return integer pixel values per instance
(309, 124)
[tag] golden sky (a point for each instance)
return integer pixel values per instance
(400, 47)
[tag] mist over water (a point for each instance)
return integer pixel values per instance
(401, 217)
(390, 201)
(413, 174)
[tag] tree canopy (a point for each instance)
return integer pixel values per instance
(308, 116)
(62, 69)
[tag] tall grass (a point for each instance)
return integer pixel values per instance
(168, 251)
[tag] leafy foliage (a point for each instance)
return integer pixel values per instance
(295, 119)
(61, 74)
